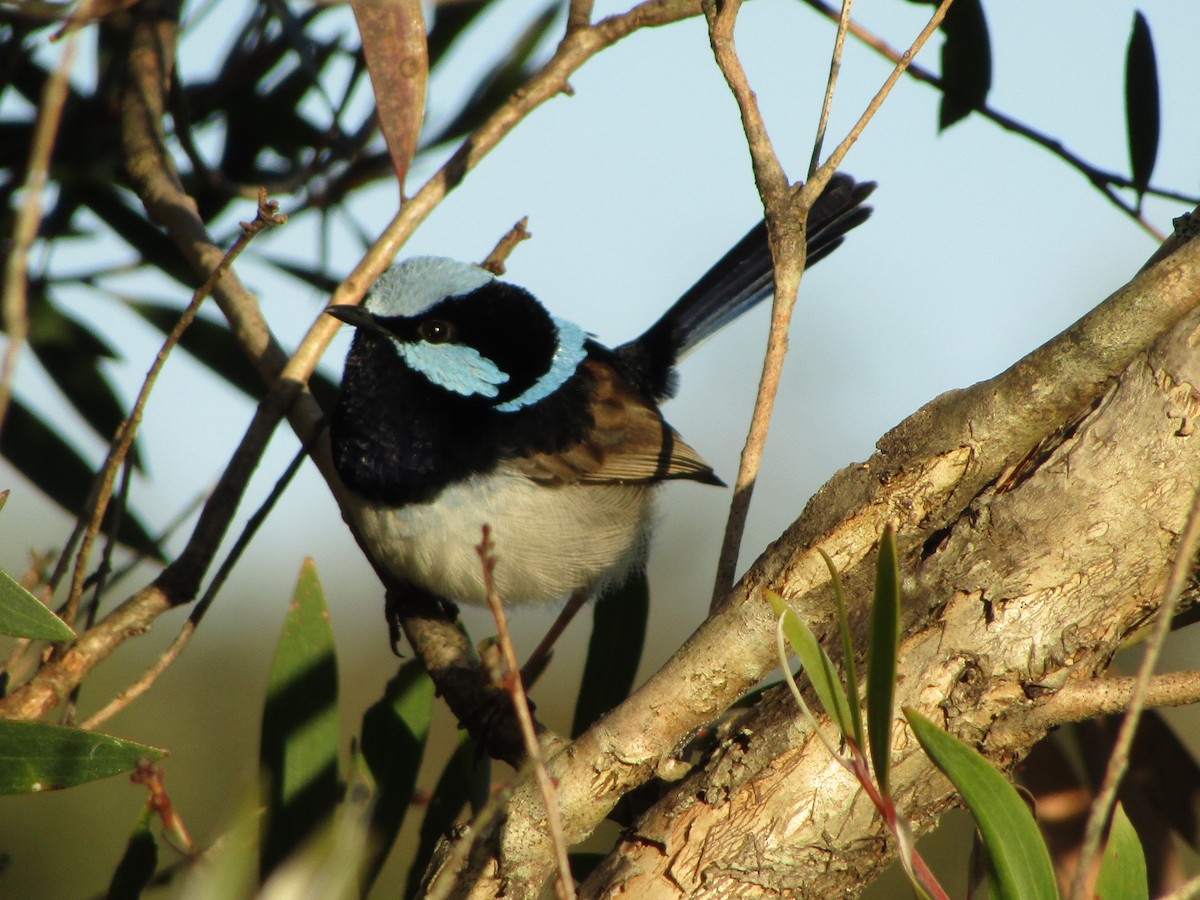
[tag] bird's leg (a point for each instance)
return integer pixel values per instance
(541, 654)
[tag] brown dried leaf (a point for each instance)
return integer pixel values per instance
(397, 56)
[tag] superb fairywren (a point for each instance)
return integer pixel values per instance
(465, 402)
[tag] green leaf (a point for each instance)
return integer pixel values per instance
(58, 471)
(882, 657)
(394, 731)
(847, 651)
(614, 649)
(36, 757)
(1141, 103)
(298, 755)
(966, 62)
(137, 865)
(1017, 859)
(24, 615)
(1123, 873)
(817, 665)
(466, 778)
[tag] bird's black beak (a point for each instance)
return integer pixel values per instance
(352, 315)
(359, 318)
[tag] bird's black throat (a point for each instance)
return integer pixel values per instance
(399, 439)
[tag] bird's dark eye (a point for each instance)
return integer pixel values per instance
(436, 331)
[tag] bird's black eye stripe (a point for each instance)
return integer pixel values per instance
(437, 331)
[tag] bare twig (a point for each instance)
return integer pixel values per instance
(835, 158)
(788, 251)
(579, 15)
(835, 67)
(173, 652)
(499, 255)
(1118, 761)
(1101, 179)
(268, 215)
(14, 305)
(1078, 701)
(516, 688)
(786, 212)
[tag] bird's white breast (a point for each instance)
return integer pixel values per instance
(550, 541)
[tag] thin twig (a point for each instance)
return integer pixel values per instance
(504, 248)
(579, 15)
(14, 305)
(1101, 179)
(268, 216)
(515, 686)
(789, 258)
(786, 213)
(835, 67)
(1078, 701)
(902, 64)
(1118, 760)
(172, 653)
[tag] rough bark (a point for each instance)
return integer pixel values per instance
(1037, 515)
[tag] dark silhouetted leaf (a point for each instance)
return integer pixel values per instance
(298, 753)
(882, 657)
(614, 649)
(36, 757)
(317, 276)
(147, 239)
(504, 78)
(966, 62)
(393, 43)
(24, 615)
(57, 470)
(1141, 104)
(70, 353)
(213, 345)
(394, 731)
(449, 22)
(137, 864)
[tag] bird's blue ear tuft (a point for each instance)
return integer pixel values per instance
(415, 285)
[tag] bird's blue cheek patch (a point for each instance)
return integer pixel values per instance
(455, 367)
(570, 353)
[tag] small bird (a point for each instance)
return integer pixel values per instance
(464, 402)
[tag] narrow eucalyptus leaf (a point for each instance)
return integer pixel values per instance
(35, 756)
(298, 752)
(614, 649)
(24, 615)
(394, 732)
(817, 665)
(1018, 863)
(882, 657)
(1123, 874)
(1142, 115)
(966, 62)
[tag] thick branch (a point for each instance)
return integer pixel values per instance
(923, 477)
(1032, 585)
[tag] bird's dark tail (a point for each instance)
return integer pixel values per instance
(741, 279)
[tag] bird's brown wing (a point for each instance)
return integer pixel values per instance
(629, 443)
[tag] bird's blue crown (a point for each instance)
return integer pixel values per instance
(418, 285)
